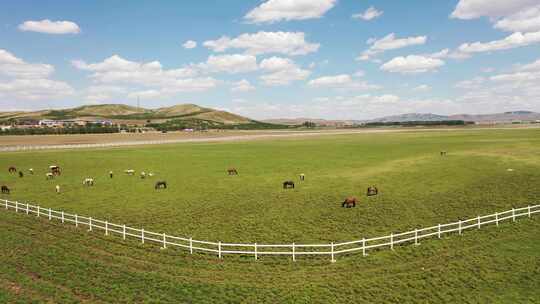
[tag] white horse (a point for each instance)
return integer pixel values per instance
(150, 174)
(143, 175)
(88, 181)
(49, 175)
(129, 171)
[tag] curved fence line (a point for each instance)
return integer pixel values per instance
(167, 141)
(255, 250)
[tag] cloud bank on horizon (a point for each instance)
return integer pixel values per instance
(276, 58)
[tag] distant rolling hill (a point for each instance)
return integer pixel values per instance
(120, 112)
(506, 117)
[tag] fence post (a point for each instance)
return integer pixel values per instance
(219, 249)
(191, 245)
(62, 217)
(90, 223)
(38, 210)
(392, 241)
(142, 235)
(478, 221)
(16, 206)
(513, 215)
(293, 253)
(529, 210)
(416, 237)
(106, 228)
(255, 247)
(459, 227)
(164, 241)
(124, 232)
(364, 246)
(439, 231)
(497, 219)
(27, 210)
(76, 220)
(332, 252)
(6, 204)
(50, 214)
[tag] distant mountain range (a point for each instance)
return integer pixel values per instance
(125, 113)
(505, 117)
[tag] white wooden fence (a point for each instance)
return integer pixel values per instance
(255, 250)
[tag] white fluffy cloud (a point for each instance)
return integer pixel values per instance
(242, 86)
(12, 66)
(471, 9)
(281, 71)
(235, 63)
(278, 10)
(370, 14)
(50, 27)
(28, 81)
(190, 44)
(389, 42)
(116, 70)
(342, 81)
(412, 64)
(527, 20)
(422, 88)
(289, 43)
(515, 40)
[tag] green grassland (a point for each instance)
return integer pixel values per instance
(48, 261)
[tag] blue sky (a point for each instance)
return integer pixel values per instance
(338, 59)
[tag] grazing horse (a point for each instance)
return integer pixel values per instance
(160, 184)
(372, 190)
(31, 171)
(21, 174)
(302, 176)
(12, 169)
(349, 202)
(5, 190)
(129, 171)
(143, 175)
(443, 153)
(57, 188)
(88, 182)
(232, 171)
(288, 184)
(110, 174)
(49, 176)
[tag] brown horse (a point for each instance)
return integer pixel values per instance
(372, 190)
(232, 171)
(349, 202)
(12, 169)
(288, 184)
(5, 190)
(160, 184)
(443, 153)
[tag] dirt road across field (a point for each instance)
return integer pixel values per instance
(85, 141)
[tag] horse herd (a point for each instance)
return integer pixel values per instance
(55, 171)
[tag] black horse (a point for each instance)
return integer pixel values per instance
(160, 184)
(232, 171)
(443, 153)
(21, 174)
(5, 190)
(12, 169)
(372, 190)
(288, 184)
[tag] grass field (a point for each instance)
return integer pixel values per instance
(44, 261)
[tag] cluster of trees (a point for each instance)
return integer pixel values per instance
(418, 123)
(90, 129)
(201, 124)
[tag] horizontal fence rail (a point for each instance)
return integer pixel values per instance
(255, 250)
